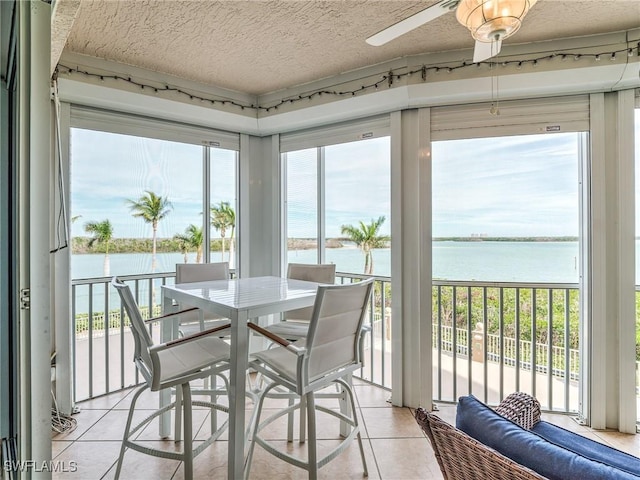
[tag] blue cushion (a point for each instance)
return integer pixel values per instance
(588, 448)
(527, 448)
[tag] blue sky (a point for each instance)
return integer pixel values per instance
(107, 169)
(508, 186)
(357, 187)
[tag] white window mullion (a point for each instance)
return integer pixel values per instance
(284, 212)
(206, 203)
(322, 221)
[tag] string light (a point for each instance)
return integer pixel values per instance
(387, 78)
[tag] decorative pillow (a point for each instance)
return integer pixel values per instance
(520, 408)
(526, 448)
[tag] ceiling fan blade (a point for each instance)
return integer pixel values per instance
(412, 22)
(485, 50)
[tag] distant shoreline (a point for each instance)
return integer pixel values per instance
(80, 245)
(505, 239)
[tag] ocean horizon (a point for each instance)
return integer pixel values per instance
(475, 260)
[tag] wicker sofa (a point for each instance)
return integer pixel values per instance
(512, 442)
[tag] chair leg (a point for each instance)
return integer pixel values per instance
(303, 408)
(178, 416)
(349, 390)
(256, 424)
(188, 432)
(290, 419)
(311, 446)
(127, 428)
(214, 399)
(345, 407)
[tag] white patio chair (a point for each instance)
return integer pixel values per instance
(197, 321)
(295, 326)
(329, 352)
(295, 323)
(172, 364)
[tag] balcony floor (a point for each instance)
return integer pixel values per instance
(395, 446)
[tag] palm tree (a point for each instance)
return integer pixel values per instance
(102, 233)
(366, 238)
(151, 208)
(183, 245)
(192, 237)
(223, 216)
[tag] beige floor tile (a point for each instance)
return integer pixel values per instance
(151, 431)
(92, 460)
(395, 446)
(137, 466)
(105, 401)
(327, 426)
(348, 465)
(111, 426)
(371, 396)
(405, 459)
(147, 400)
(393, 422)
(58, 446)
(628, 443)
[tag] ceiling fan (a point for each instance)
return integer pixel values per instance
(490, 22)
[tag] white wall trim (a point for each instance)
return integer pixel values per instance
(626, 262)
(435, 91)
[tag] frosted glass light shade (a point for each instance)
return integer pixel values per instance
(490, 20)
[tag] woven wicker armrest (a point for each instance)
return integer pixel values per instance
(520, 408)
(461, 457)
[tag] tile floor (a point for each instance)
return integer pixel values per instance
(395, 447)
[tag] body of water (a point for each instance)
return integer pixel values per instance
(556, 262)
(482, 261)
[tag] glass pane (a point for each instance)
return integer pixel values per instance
(224, 206)
(139, 187)
(302, 206)
(358, 206)
(505, 216)
(506, 209)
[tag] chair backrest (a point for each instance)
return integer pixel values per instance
(201, 272)
(320, 273)
(335, 327)
(141, 337)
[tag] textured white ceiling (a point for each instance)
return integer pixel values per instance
(262, 46)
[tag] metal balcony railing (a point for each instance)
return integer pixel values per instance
(500, 345)
(103, 347)
(508, 337)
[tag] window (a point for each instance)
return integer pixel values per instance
(127, 190)
(127, 193)
(224, 205)
(338, 206)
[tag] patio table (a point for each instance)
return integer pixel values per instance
(239, 300)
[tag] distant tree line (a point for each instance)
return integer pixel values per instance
(152, 208)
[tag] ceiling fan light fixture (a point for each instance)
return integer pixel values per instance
(491, 20)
